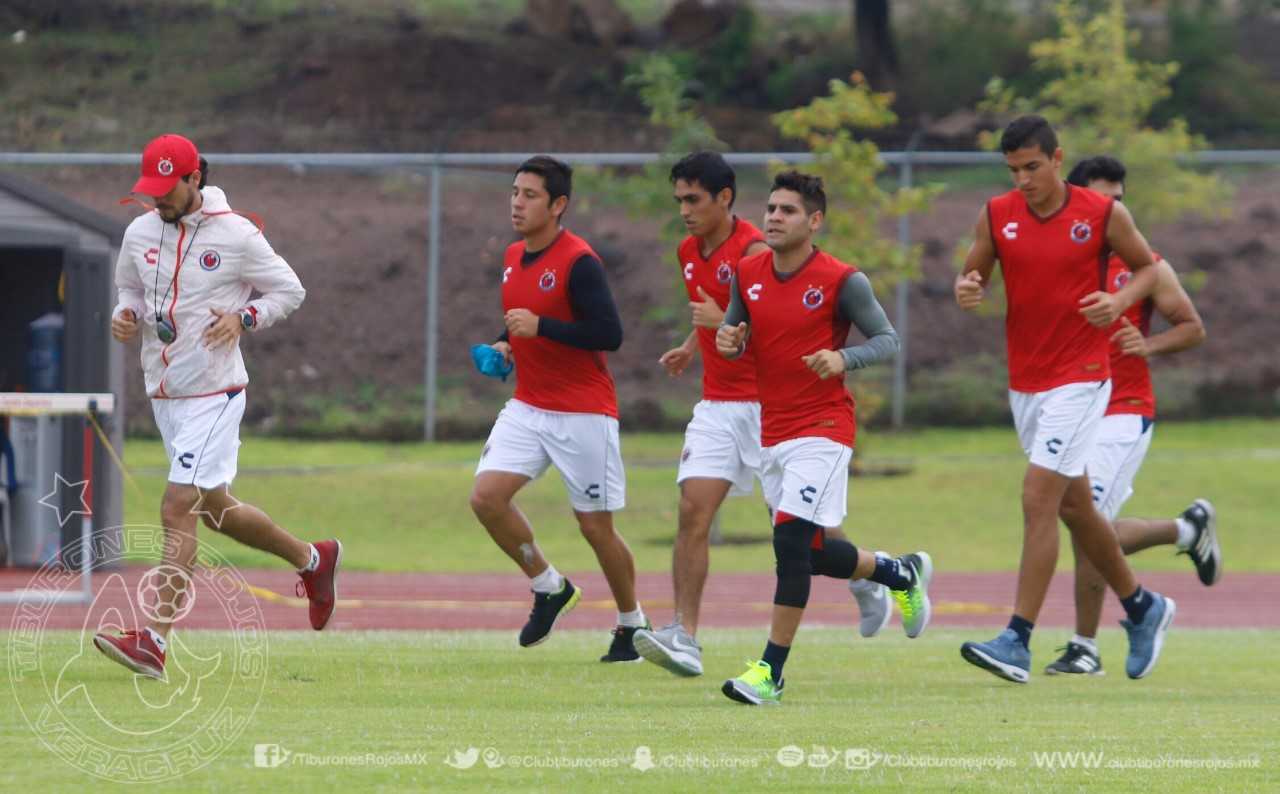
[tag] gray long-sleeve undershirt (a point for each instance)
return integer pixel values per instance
(856, 303)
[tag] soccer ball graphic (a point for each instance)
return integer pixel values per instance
(166, 594)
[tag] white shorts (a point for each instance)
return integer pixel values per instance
(584, 448)
(202, 437)
(808, 478)
(1123, 441)
(722, 442)
(1058, 428)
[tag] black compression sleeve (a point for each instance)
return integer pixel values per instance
(596, 324)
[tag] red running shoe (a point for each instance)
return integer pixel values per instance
(320, 585)
(133, 649)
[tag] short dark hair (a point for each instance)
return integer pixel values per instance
(1027, 131)
(556, 176)
(1100, 167)
(708, 169)
(808, 186)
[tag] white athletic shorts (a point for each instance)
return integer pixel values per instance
(808, 478)
(201, 437)
(1123, 441)
(1059, 428)
(722, 442)
(584, 448)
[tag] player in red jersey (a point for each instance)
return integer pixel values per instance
(1125, 433)
(721, 452)
(1052, 240)
(560, 319)
(792, 307)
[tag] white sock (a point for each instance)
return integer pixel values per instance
(549, 581)
(1186, 533)
(157, 639)
(632, 619)
(1088, 642)
(315, 560)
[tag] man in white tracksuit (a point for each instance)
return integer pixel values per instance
(186, 272)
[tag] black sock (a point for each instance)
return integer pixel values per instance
(891, 573)
(836, 558)
(1136, 605)
(776, 656)
(1023, 628)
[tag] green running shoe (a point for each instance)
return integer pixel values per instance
(913, 602)
(755, 687)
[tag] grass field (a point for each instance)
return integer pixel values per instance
(440, 694)
(404, 507)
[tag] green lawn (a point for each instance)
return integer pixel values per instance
(404, 506)
(1213, 697)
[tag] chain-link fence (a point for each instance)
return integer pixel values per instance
(400, 254)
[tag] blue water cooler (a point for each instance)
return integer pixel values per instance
(44, 353)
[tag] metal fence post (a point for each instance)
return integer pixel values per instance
(901, 317)
(433, 305)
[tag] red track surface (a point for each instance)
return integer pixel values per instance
(501, 601)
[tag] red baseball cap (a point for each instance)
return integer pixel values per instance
(166, 160)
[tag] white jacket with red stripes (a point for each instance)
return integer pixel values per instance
(210, 259)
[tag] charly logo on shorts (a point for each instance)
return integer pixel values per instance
(1121, 279)
(547, 281)
(165, 166)
(101, 718)
(812, 298)
(724, 273)
(1081, 231)
(210, 259)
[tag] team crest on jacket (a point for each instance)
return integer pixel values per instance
(1121, 279)
(210, 260)
(1081, 231)
(812, 298)
(547, 282)
(724, 273)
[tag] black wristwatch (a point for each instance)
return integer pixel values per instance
(247, 319)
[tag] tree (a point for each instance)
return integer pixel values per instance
(1100, 100)
(850, 167)
(873, 42)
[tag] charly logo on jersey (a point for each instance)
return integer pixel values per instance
(812, 298)
(1081, 231)
(165, 166)
(688, 271)
(210, 259)
(1121, 279)
(1010, 230)
(724, 273)
(547, 281)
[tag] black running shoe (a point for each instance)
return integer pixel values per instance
(623, 648)
(1204, 551)
(547, 609)
(1076, 660)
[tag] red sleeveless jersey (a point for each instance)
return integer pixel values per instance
(550, 375)
(792, 316)
(722, 378)
(1049, 264)
(1131, 391)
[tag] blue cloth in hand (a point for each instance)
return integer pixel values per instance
(489, 362)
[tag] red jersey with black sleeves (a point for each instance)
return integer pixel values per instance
(791, 316)
(722, 379)
(1049, 264)
(1131, 390)
(563, 368)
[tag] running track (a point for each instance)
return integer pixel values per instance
(373, 601)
